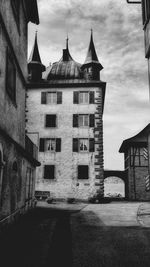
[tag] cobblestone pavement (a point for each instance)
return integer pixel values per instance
(79, 235)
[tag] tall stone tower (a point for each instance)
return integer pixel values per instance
(64, 118)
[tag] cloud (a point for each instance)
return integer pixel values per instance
(119, 43)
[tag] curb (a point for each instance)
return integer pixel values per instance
(143, 215)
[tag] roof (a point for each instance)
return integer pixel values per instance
(32, 11)
(91, 57)
(139, 139)
(35, 58)
(65, 68)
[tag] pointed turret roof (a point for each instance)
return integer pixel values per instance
(91, 57)
(35, 55)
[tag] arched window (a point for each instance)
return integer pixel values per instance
(15, 166)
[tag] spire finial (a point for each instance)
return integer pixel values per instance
(67, 40)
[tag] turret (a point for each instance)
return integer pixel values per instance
(91, 66)
(35, 66)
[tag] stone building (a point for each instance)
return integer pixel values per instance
(135, 151)
(64, 118)
(17, 153)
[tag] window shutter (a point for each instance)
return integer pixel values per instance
(75, 145)
(75, 120)
(92, 96)
(75, 97)
(59, 97)
(58, 145)
(92, 120)
(43, 97)
(91, 145)
(41, 148)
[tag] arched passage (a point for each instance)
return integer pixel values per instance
(116, 183)
(114, 187)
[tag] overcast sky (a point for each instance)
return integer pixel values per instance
(119, 42)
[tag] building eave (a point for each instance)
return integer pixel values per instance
(138, 139)
(32, 11)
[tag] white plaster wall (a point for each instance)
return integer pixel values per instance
(66, 183)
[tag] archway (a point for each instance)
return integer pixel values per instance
(114, 187)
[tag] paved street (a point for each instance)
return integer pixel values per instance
(80, 235)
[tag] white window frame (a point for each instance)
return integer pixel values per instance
(52, 96)
(85, 142)
(82, 97)
(83, 116)
(50, 144)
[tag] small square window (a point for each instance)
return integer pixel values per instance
(83, 172)
(84, 97)
(50, 120)
(83, 145)
(49, 171)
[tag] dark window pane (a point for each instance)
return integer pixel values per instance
(83, 172)
(50, 120)
(49, 171)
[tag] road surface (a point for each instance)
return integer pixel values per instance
(95, 235)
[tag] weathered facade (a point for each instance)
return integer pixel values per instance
(64, 118)
(17, 153)
(135, 151)
(146, 27)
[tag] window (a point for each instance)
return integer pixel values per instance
(139, 156)
(50, 120)
(51, 98)
(83, 120)
(50, 145)
(10, 77)
(83, 97)
(83, 145)
(83, 171)
(49, 172)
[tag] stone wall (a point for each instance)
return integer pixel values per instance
(66, 183)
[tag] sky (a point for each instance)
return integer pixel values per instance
(119, 42)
